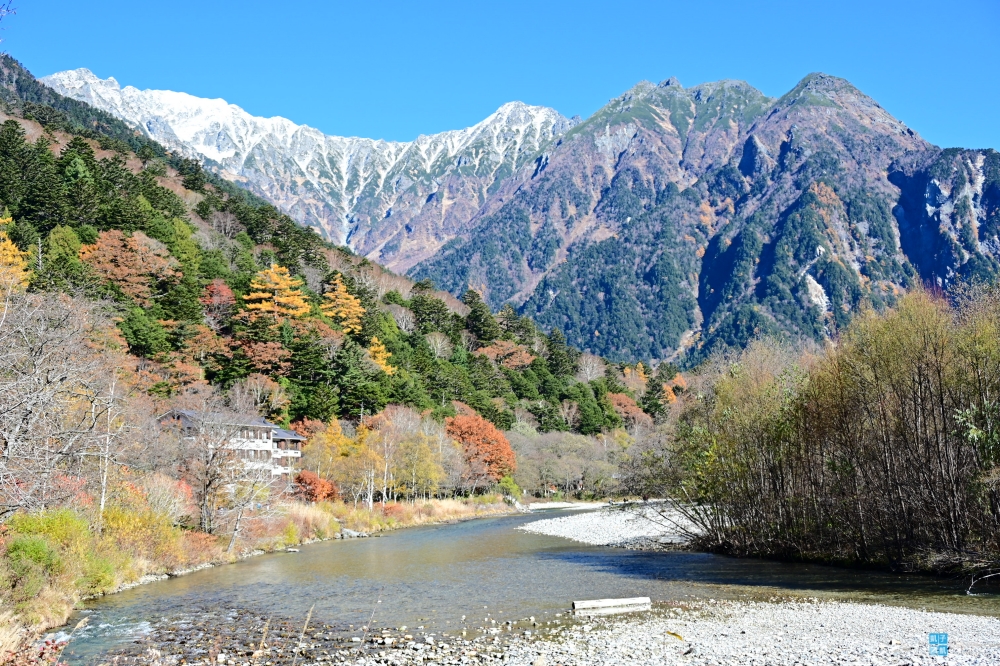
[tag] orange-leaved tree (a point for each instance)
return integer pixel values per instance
(219, 302)
(627, 409)
(313, 488)
(488, 455)
(132, 263)
(508, 354)
(274, 290)
(343, 307)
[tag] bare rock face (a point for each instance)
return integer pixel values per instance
(672, 222)
(680, 220)
(396, 202)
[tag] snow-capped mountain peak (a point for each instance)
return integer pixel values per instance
(393, 201)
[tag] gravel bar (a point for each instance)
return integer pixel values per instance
(806, 632)
(734, 633)
(629, 526)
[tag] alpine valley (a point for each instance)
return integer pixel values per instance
(673, 222)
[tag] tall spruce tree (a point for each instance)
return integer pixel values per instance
(480, 321)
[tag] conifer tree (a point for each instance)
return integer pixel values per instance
(341, 306)
(560, 360)
(44, 203)
(480, 320)
(274, 290)
(658, 392)
(13, 154)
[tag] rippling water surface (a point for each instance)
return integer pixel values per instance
(432, 576)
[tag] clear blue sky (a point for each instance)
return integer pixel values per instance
(394, 70)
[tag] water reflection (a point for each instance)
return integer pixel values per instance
(433, 576)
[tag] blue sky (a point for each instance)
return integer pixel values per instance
(394, 70)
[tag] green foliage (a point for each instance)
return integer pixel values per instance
(65, 201)
(31, 562)
(508, 487)
(480, 321)
(145, 336)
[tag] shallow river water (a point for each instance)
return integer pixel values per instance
(430, 577)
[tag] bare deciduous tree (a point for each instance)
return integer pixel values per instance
(589, 368)
(568, 411)
(257, 394)
(439, 344)
(46, 366)
(403, 317)
(226, 224)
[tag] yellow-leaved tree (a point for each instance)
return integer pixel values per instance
(380, 356)
(341, 306)
(358, 467)
(14, 273)
(274, 290)
(324, 449)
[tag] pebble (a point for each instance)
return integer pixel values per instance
(737, 633)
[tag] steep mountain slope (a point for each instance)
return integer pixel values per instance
(395, 202)
(696, 218)
(207, 284)
(673, 222)
(592, 192)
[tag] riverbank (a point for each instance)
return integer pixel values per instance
(65, 540)
(636, 526)
(733, 633)
(348, 522)
(695, 633)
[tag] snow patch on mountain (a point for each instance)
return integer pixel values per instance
(344, 186)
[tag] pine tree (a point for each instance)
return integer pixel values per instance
(341, 306)
(380, 356)
(78, 166)
(659, 392)
(560, 360)
(14, 273)
(44, 203)
(480, 321)
(14, 152)
(274, 290)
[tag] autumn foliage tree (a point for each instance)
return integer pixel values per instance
(274, 290)
(380, 356)
(628, 410)
(343, 307)
(14, 273)
(218, 301)
(488, 455)
(508, 354)
(313, 488)
(132, 263)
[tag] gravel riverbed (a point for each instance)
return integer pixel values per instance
(624, 526)
(697, 633)
(737, 633)
(792, 631)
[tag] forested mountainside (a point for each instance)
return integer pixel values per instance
(394, 202)
(208, 284)
(676, 221)
(694, 218)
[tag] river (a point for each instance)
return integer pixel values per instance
(430, 577)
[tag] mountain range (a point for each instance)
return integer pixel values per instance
(395, 202)
(673, 222)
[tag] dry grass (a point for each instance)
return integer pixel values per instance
(90, 565)
(395, 515)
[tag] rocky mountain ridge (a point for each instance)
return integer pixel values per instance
(396, 202)
(680, 220)
(674, 221)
